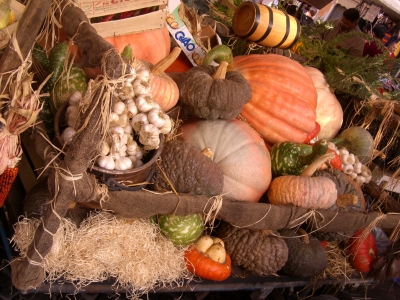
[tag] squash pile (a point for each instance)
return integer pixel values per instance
(254, 128)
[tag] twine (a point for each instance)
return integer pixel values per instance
(258, 221)
(212, 214)
(67, 175)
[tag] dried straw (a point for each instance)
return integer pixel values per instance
(134, 252)
(19, 106)
(338, 265)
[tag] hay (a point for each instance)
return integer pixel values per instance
(338, 265)
(134, 252)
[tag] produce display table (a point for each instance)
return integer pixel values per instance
(70, 182)
(262, 286)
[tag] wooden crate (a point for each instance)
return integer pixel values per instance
(6, 33)
(149, 21)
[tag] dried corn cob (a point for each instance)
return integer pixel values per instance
(6, 181)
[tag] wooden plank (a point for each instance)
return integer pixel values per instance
(154, 20)
(102, 8)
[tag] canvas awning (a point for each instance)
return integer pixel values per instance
(390, 7)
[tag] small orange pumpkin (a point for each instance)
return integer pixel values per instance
(164, 90)
(204, 265)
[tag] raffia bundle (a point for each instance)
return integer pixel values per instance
(134, 252)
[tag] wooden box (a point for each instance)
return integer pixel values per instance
(152, 20)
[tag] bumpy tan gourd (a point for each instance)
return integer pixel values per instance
(255, 250)
(304, 191)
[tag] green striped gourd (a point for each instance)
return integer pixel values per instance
(69, 82)
(181, 230)
(288, 158)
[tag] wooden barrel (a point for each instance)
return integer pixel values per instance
(266, 26)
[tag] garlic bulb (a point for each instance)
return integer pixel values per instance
(142, 73)
(128, 129)
(71, 109)
(138, 121)
(144, 103)
(156, 117)
(133, 159)
(67, 135)
(113, 117)
(117, 129)
(132, 148)
(149, 136)
(352, 166)
(122, 121)
(127, 92)
(119, 107)
(106, 162)
(141, 87)
(131, 107)
(167, 127)
(75, 98)
(122, 163)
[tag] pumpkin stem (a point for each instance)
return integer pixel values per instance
(207, 152)
(311, 168)
(304, 235)
(346, 199)
(318, 149)
(221, 70)
(163, 64)
(219, 54)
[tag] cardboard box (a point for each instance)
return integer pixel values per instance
(182, 35)
(5, 33)
(152, 20)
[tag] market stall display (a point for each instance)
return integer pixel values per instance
(237, 151)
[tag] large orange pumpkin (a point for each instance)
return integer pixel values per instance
(284, 99)
(151, 45)
(239, 152)
(142, 44)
